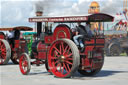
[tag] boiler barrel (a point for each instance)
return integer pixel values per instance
(38, 46)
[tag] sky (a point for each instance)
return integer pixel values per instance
(16, 12)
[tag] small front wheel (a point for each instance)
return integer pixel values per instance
(24, 64)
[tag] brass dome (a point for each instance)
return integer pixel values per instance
(94, 4)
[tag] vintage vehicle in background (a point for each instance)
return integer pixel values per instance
(116, 45)
(116, 40)
(57, 50)
(29, 37)
(8, 51)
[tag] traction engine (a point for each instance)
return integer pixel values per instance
(12, 48)
(58, 51)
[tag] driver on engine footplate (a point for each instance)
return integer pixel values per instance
(82, 32)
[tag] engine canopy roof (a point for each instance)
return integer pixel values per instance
(98, 17)
(21, 28)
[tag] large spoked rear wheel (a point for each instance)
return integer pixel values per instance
(24, 64)
(63, 58)
(5, 52)
(91, 71)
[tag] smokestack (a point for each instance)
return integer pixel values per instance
(39, 13)
(39, 24)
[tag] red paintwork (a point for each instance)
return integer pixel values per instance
(21, 28)
(59, 32)
(92, 41)
(91, 58)
(2, 37)
(49, 39)
(94, 17)
(60, 69)
(42, 49)
(62, 31)
(19, 48)
(59, 19)
(17, 42)
(100, 41)
(3, 52)
(88, 48)
(95, 45)
(98, 54)
(23, 64)
(42, 55)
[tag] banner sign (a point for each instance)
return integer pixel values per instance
(59, 19)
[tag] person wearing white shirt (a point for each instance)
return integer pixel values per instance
(11, 34)
(11, 38)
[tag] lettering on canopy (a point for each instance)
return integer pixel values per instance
(59, 19)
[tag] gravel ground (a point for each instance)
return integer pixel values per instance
(114, 72)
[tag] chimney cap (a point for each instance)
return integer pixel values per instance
(39, 13)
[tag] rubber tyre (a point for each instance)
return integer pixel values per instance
(115, 50)
(24, 61)
(70, 48)
(7, 49)
(93, 72)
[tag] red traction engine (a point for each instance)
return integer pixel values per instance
(58, 51)
(12, 49)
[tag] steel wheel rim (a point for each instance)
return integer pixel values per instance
(60, 59)
(2, 52)
(23, 64)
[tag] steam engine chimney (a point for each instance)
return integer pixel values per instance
(39, 24)
(39, 13)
